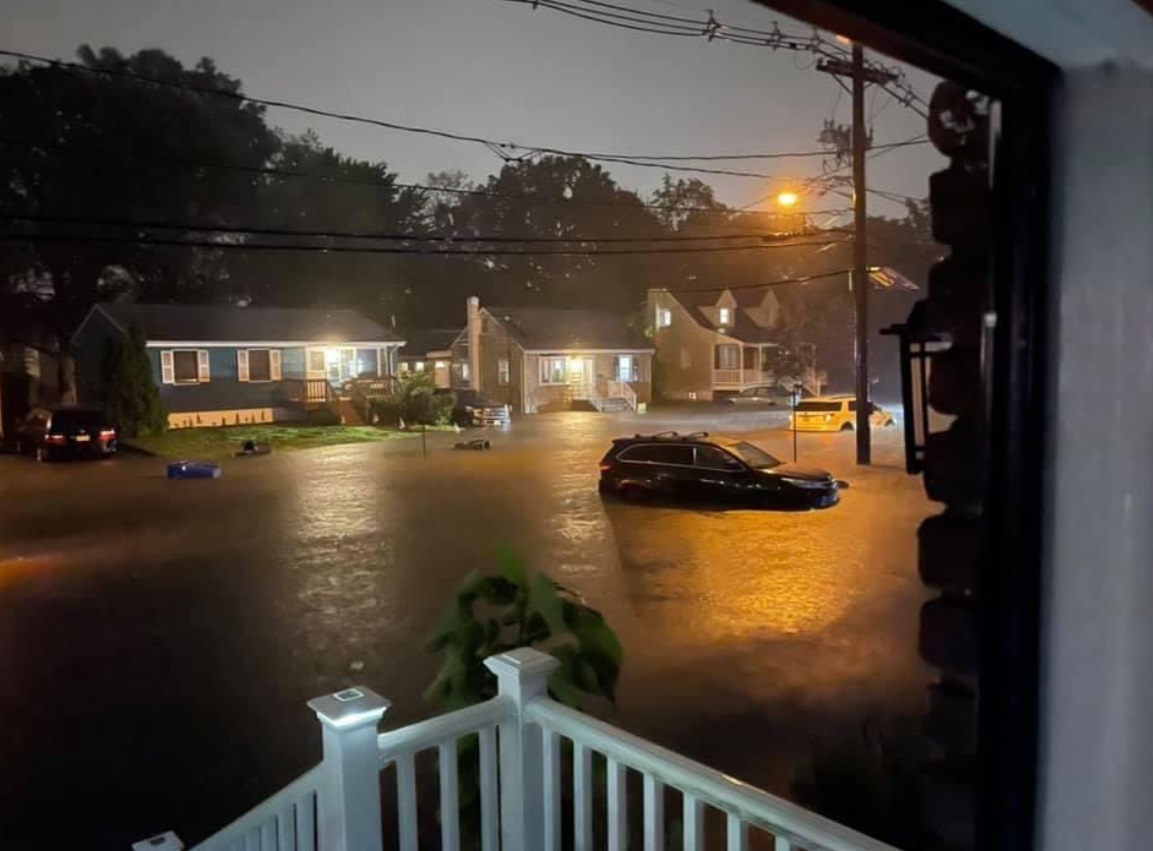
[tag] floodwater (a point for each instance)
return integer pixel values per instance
(158, 639)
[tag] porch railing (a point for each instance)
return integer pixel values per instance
(306, 391)
(741, 378)
(337, 805)
(622, 390)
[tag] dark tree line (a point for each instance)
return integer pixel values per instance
(93, 148)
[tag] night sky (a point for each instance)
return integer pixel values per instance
(506, 71)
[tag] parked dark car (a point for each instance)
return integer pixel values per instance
(712, 469)
(473, 409)
(50, 434)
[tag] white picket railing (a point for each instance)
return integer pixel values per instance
(284, 822)
(336, 806)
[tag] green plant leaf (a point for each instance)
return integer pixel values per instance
(561, 684)
(543, 600)
(511, 566)
(601, 648)
(499, 591)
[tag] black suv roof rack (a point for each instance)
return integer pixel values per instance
(668, 435)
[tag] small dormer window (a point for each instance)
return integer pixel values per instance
(725, 316)
(664, 317)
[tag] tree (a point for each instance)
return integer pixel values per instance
(341, 194)
(132, 400)
(83, 132)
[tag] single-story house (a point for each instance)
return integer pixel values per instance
(429, 350)
(538, 359)
(711, 344)
(225, 365)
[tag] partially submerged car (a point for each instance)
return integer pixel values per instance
(714, 469)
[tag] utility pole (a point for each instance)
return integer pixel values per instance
(860, 276)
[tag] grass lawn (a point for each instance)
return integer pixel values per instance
(221, 442)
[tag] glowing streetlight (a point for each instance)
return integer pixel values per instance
(788, 199)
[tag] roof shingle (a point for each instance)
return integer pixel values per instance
(227, 324)
(566, 329)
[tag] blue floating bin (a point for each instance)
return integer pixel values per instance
(193, 470)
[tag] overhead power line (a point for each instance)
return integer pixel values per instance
(389, 249)
(197, 227)
(780, 282)
(713, 29)
(640, 161)
(270, 171)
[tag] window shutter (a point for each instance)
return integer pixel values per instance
(242, 364)
(274, 364)
(167, 370)
(202, 365)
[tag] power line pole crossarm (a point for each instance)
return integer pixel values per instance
(860, 75)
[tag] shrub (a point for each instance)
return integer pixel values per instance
(415, 401)
(131, 397)
(322, 416)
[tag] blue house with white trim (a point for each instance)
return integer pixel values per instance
(224, 365)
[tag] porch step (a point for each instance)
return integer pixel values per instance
(349, 415)
(613, 404)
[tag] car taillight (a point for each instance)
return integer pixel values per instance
(56, 438)
(107, 433)
(606, 466)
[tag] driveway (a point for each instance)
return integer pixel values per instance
(159, 638)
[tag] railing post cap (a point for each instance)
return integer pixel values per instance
(349, 708)
(522, 663)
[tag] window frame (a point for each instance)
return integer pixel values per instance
(725, 316)
(503, 372)
(714, 448)
(623, 456)
(664, 317)
(202, 362)
(946, 42)
(546, 380)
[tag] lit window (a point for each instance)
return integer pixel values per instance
(627, 368)
(316, 361)
(553, 371)
(726, 315)
(664, 317)
(418, 366)
(502, 372)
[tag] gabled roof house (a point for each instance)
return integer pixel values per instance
(226, 365)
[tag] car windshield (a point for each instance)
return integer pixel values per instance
(819, 407)
(755, 457)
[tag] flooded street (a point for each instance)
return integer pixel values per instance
(159, 639)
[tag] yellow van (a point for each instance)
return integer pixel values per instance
(835, 413)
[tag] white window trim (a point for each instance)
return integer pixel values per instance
(503, 371)
(664, 317)
(309, 372)
(546, 378)
(724, 316)
(168, 367)
(243, 373)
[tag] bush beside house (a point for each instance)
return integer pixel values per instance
(414, 401)
(132, 399)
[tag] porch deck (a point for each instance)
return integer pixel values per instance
(524, 739)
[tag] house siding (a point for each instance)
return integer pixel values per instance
(222, 392)
(684, 352)
(89, 348)
(495, 346)
(540, 398)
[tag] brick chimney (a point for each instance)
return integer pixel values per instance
(474, 342)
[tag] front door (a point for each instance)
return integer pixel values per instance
(580, 377)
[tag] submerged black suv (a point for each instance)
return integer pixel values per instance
(711, 469)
